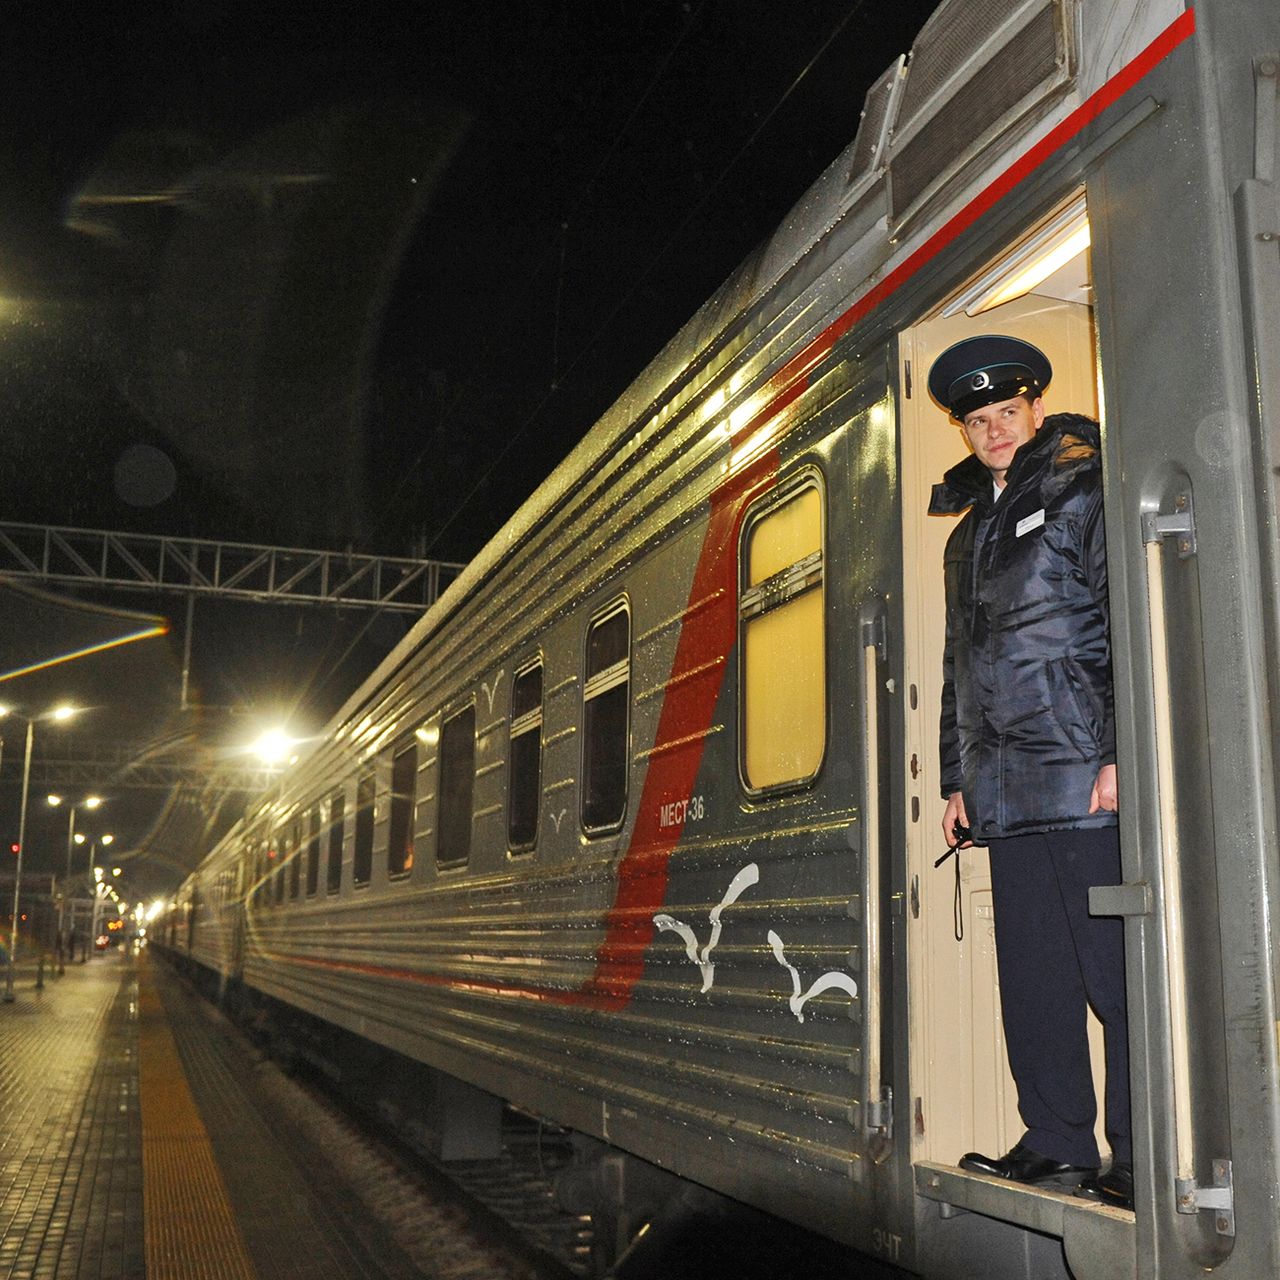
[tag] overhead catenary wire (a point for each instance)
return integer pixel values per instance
(560, 245)
(622, 302)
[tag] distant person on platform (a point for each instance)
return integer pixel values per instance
(1028, 748)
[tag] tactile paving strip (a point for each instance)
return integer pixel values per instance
(191, 1232)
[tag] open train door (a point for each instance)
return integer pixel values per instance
(964, 1097)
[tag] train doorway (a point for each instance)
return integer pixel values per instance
(963, 1096)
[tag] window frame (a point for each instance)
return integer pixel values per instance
(410, 743)
(609, 678)
(294, 860)
(338, 794)
(446, 718)
(516, 849)
(779, 589)
(276, 857)
(314, 826)
(369, 774)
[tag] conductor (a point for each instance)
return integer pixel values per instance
(1028, 748)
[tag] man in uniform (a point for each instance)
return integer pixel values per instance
(1028, 748)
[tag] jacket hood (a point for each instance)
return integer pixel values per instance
(1065, 445)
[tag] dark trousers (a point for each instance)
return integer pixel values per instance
(1054, 960)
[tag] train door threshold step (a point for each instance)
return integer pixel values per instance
(1099, 1241)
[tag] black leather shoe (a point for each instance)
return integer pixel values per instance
(1115, 1187)
(1025, 1165)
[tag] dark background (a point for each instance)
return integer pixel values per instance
(356, 277)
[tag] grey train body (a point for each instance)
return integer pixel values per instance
(634, 829)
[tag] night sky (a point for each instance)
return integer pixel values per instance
(353, 276)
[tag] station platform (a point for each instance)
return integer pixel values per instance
(140, 1136)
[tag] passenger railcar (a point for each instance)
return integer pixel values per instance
(636, 828)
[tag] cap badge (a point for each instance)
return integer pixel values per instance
(980, 380)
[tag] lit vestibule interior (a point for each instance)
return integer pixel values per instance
(1039, 290)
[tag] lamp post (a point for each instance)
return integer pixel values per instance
(73, 839)
(95, 881)
(61, 713)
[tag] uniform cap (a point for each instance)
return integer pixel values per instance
(986, 370)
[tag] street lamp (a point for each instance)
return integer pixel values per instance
(95, 878)
(74, 838)
(58, 713)
(89, 802)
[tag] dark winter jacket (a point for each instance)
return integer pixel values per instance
(1027, 709)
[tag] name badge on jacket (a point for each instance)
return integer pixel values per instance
(1030, 522)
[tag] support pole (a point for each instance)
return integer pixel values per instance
(17, 874)
(186, 650)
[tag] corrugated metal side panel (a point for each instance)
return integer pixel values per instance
(474, 966)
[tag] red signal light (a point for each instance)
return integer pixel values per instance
(13, 848)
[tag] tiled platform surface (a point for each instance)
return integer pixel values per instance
(72, 1134)
(70, 1127)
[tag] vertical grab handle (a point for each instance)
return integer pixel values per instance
(1155, 528)
(879, 1102)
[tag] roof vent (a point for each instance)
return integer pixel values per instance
(975, 71)
(878, 112)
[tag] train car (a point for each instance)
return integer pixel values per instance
(636, 828)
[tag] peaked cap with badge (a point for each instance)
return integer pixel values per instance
(985, 370)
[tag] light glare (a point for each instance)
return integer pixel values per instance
(273, 747)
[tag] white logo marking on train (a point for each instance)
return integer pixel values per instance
(749, 875)
(491, 694)
(680, 811)
(825, 983)
(557, 818)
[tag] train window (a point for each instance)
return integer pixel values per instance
(524, 777)
(277, 865)
(606, 703)
(404, 782)
(295, 859)
(313, 851)
(337, 834)
(782, 642)
(457, 778)
(366, 791)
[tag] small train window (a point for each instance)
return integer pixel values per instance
(525, 772)
(782, 642)
(313, 851)
(277, 865)
(457, 779)
(606, 706)
(295, 859)
(337, 834)
(366, 792)
(404, 783)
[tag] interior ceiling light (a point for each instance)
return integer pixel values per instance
(1028, 264)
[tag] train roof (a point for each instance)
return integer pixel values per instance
(923, 150)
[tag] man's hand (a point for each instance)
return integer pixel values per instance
(956, 813)
(1106, 794)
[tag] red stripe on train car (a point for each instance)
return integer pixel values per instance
(711, 618)
(697, 672)
(642, 874)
